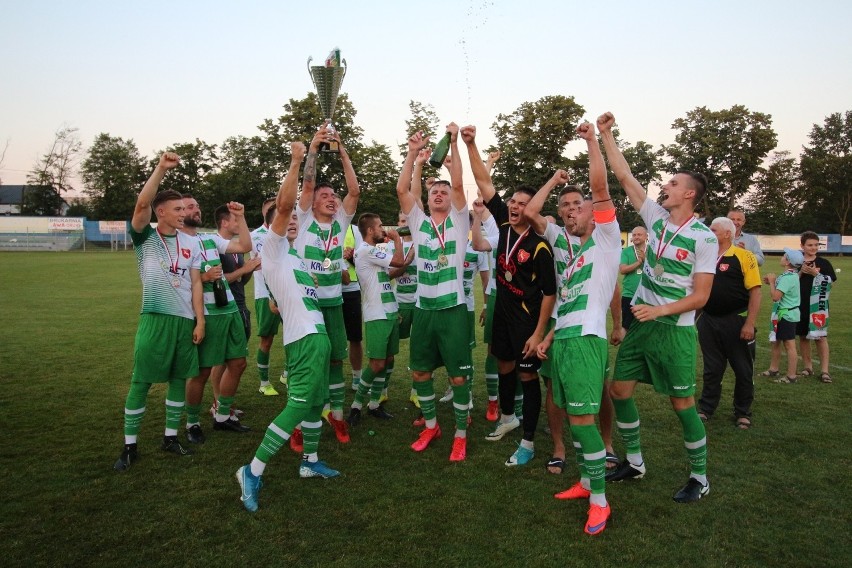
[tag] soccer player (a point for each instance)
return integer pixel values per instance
(267, 321)
(526, 288)
(322, 228)
(381, 314)
(439, 330)
(579, 340)
(632, 260)
(305, 342)
(225, 340)
(172, 320)
(660, 348)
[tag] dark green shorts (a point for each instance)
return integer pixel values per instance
(163, 349)
(224, 339)
(439, 338)
(579, 364)
(406, 313)
(382, 338)
(267, 322)
(307, 370)
(659, 354)
(336, 329)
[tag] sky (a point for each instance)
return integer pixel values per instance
(162, 73)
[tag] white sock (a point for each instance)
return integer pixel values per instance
(171, 432)
(257, 467)
(598, 499)
(527, 444)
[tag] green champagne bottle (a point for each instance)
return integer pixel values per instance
(436, 160)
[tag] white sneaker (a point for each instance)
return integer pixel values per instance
(502, 429)
(448, 395)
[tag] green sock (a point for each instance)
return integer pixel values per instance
(627, 422)
(364, 386)
(278, 432)
(695, 440)
(263, 366)
(336, 387)
(224, 410)
(388, 373)
(376, 390)
(491, 378)
(134, 410)
(594, 455)
(461, 398)
(581, 464)
(519, 400)
(426, 395)
(311, 428)
(193, 412)
(175, 401)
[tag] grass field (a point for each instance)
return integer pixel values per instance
(780, 493)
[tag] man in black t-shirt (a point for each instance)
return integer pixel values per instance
(813, 266)
(526, 291)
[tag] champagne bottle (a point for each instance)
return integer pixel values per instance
(436, 160)
(220, 293)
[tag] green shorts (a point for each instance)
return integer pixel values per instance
(307, 370)
(489, 316)
(439, 338)
(406, 313)
(224, 339)
(661, 355)
(382, 338)
(267, 322)
(546, 369)
(336, 329)
(580, 367)
(471, 319)
(163, 349)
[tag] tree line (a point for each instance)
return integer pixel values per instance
(734, 148)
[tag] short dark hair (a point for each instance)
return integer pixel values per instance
(365, 221)
(698, 183)
(323, 185)
(441, 182)
(570, 189)
(529, 190)
(270, 215)
(166, 195)
(221, 214)
(809, 236)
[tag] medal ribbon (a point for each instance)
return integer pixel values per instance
(663, 245)
(440, 235)
(326, 244)
(572, 264)
(172, 265)
(570, 248)
(509, 253)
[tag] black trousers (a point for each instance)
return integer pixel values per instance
(719, 337)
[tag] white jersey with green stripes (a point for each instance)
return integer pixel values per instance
(439, 285)
(406, 284)
(212, 245)
(293, 288)
(587, 282)
(319, 241)
(257, 236)
(565, 246)
(164, 263)
(378, 301)
(693, 250)
(492, 235)
(474, 263)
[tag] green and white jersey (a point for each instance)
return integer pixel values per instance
(212, 245)
(317, 242)
(378, 301)
(474, 263)
(293, 288)
(630, 281)
(257, 237)
(565, 247)
(439, 285)
(692, 250)
(406, 284)
(586, 284)
(164, 263)
(492, 235)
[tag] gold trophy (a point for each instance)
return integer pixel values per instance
(327, 80)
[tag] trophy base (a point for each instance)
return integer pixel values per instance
(329, 148)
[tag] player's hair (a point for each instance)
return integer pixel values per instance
(726, 224)
(269, 200)
(365, 221)
(736, 210)
(809, 236)
(166, 195)
(698, 182)
(570, 189)
(440, 182)
(270, 215)
(221, 214)
(529, 190)
(323, 185)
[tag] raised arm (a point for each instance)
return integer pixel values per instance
(398, 259)
(492, 159)
(597, 169)
(353, 191)
(477, 239)
(309, 179)
(403, 185)
(634, 190)
(286, 199)
(480, 172)
(243, 241)
(142, 212)
(458, 196)
(417, 177)
(533, 209)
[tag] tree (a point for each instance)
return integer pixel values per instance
(52, 174)
(728, 146)
(377, 177)
(532, 139)
(772, 205)
(423, 119)
(198, 161)
(113, 173)
(826, 167)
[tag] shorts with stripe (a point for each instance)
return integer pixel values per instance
(163, 349)
(439, 338)
(661, 355)
(267, 322)
(307, 370)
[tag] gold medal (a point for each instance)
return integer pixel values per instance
(563, 293)
(442, 260)
(326, 263)
(508, 276)
(658, 270)
(176, 282)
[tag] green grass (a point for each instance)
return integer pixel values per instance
(779, 494)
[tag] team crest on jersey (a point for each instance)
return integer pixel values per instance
(681, 254)
(724, 267)
(523, 256)
(466, 264)
(581, 261)
(185, 252)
